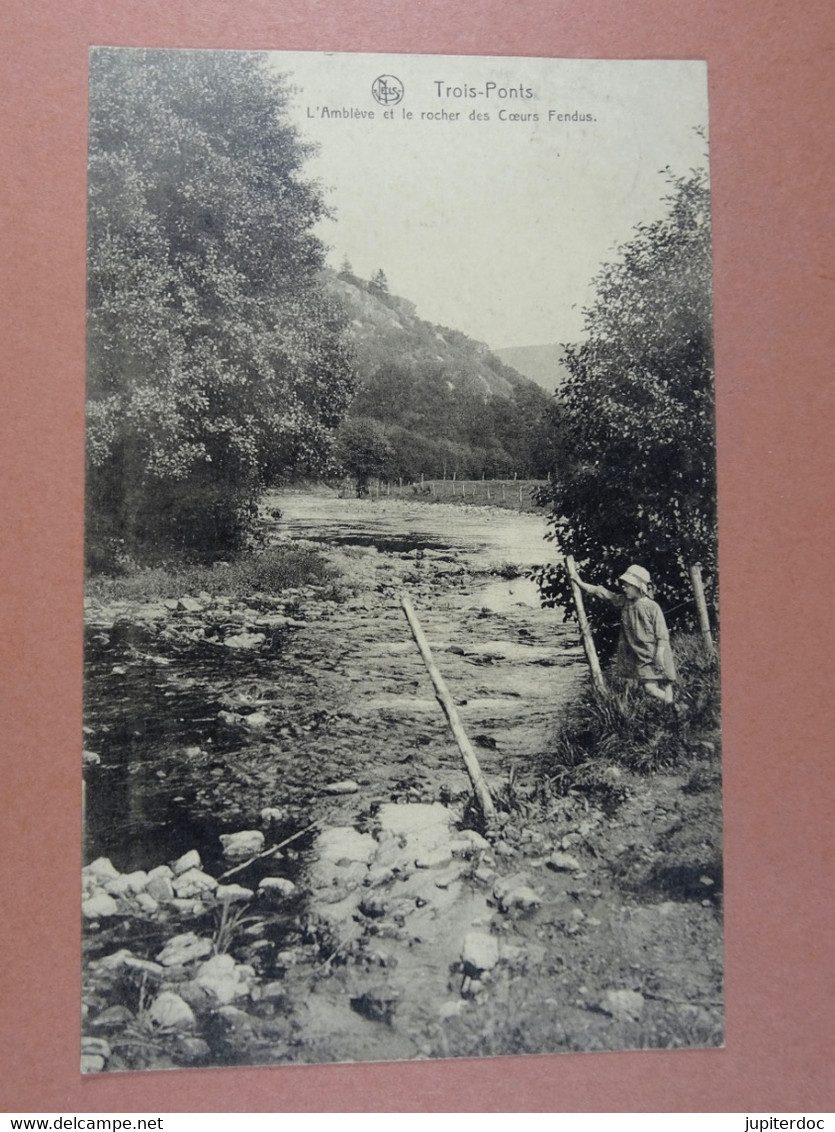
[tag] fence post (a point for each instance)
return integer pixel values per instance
(585, 631)
(701, 606)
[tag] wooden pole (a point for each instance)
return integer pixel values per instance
(701, 606)
(585, 631)
(480, 787)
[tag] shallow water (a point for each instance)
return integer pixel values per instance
(486, 534)
(172, 775)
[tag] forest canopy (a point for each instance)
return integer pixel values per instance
(217, 363)
(636, 481)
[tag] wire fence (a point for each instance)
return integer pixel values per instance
(507, 492)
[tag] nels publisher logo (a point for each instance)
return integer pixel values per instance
(387, 90)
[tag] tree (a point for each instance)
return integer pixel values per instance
(379, 282)
(637, 479)
(364, 451)
(216, 363)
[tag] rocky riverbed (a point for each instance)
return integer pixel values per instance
(284, 861)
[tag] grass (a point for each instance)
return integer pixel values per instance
(623, 729)
(264, 571)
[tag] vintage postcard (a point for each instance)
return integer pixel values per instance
(402, 732)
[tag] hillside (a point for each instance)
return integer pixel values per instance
(544, 365)
(444, 402)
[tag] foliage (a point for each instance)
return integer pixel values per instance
(216, 361)
(635, 478)
(447, 404)
(624, 729)
(363, 451)
(266, 571)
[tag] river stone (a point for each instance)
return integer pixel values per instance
(96, 1046)
(467, 841)
(170, 1012)
(256, 720)
(563, 863)
(480, 952)
(144, 966)
(113, 1018)
(273, 815)
(99, 905)
(189, 605)
(160, 888)
(434, 858)
(625, 1005)
(225, 979)
(242, 845)
(276, 886)
(95, 1053)
(346, 786)
(112, 962)
(515, 896)
(102, 869)
(245, 641)
(185, 948)
(231, 893)
(190, 1050)
(90, 758)
(190, 860)
(193, 883)
(147, 904)
(128, 884)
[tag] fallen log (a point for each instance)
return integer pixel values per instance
(479, 782)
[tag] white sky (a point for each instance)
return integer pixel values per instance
(495, 228)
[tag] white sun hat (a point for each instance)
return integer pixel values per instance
(636, 576)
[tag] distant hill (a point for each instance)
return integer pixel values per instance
(386, 328)
(543, 364)
(445, 402)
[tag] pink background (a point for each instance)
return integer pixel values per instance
(771, 89)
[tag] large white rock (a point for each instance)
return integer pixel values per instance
(128, 884)
(225, 979)
(515, 895)
(170, 1012)
(563, 862)
(102, 869)
(242, 845)
(232, 893)
(193, 883)
(160, 888)
(276, 886)
(99, 905)
(190, 860)
(625, 1005)
(184, 948)
(479, 953)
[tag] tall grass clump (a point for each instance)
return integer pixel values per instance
(271, 570)
(622, 729)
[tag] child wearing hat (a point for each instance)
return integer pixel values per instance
(643, 652)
